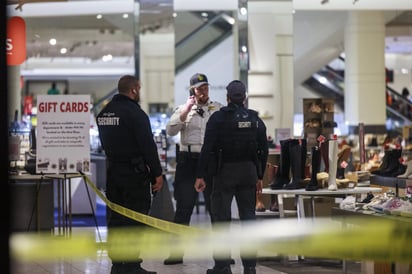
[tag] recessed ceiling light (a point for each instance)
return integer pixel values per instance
(63, 50)
(99, 16)
(53, 41)
(125, 15)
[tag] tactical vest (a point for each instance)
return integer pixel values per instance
(238, 135)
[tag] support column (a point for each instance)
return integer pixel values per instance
(14, 92)
(365, 71)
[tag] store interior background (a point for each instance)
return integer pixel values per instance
(145, 40)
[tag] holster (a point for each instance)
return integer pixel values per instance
(139, 166)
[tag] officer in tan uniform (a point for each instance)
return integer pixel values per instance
(190, 121)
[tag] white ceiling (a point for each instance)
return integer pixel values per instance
(76, 28)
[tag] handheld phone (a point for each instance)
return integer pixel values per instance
(191, 92)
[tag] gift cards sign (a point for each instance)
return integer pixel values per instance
(16, 41)
(63, 142)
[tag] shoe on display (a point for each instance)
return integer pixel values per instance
(224, 270)
(132, 268)
(173, 260)
(405, 207)
(249, 270)
(141, 270)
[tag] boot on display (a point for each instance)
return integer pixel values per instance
(297, 152)
(282, 175)
(333, 164)
(313, 184)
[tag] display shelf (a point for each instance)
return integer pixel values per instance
(318, 119)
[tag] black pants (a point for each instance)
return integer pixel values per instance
(131, 190)
(235, 180)
(184, 188)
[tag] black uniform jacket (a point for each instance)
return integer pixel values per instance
(213, 134)
(125, 133)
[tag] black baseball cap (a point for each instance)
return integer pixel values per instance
(236, 90)
(197, 80)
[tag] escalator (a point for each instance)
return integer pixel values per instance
(329, 81)
(196, 34)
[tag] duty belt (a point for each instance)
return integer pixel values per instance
(188, 155)
(191, 148)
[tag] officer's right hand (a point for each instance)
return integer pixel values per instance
(158, 183)
(189, 103)
(200, 184)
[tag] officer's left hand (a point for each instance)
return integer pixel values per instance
(259, 186)
(158, 183)
(200, 184)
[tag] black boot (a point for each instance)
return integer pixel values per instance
(385, 163)
(297, 165)
(340, 173)
(324, 150)
(282, 176)
(313, 184)
(393, 163)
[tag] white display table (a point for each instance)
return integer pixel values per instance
(299, 194)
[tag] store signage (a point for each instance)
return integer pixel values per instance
(63, 142)
(16, 41)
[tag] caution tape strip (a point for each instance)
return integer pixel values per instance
(350, 238)
(320, 238)
(143, 218)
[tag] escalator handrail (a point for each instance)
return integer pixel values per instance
(199, 29)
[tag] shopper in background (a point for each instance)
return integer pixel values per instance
(53, 89)
(236, 136)
(190, 120)
(132, 161)
(405, 103)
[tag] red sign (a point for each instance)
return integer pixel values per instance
(16, 41)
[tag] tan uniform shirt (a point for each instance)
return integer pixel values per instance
(192, 130)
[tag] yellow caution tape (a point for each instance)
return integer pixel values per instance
(323, 238)
(377, 240)
(140, 217)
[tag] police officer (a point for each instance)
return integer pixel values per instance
(236, 137)
(132, 160)
(189, 120)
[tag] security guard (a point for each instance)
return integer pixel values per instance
(132, 161)
(236, 140)
(190, 121)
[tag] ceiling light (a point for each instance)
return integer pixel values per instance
(228, 19)
(244, 49)
(243, 11)
(125, 15)
(53, 41)
(404, 71)
(99, 16)
(323, 80)
(63, 50)
(204, 14)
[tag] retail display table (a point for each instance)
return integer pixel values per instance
(36, 202)
(299, 194)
